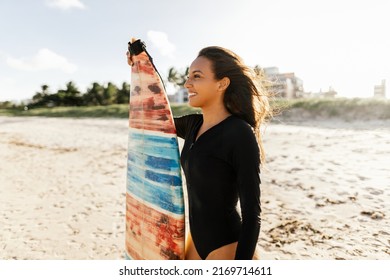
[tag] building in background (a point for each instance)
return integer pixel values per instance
(285, 85)
(179, 96)
(380, 90)
(330, 93)
(282, 85)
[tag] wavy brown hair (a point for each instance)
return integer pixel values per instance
(246, 96)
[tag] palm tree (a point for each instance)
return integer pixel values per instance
(70, 96)
(109, 94)
(94, 95)
(38, 96)
(176, 77)
(123, 94)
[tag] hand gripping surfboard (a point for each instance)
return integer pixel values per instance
(155, 226)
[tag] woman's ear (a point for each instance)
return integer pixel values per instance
(224, 83)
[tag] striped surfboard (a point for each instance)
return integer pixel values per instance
(155, 226)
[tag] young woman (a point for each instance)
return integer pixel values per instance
(221, 156)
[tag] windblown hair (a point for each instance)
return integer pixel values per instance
(246, 96)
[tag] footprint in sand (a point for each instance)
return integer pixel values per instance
(362, 178)
(328, 201)
(374, 191)
(293, 231)
(294, 169)
(375, 215)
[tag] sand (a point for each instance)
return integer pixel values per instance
(325, 190)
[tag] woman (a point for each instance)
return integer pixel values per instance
(221, 156)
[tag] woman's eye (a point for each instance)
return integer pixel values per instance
(195, 76)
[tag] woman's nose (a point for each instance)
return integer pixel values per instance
(187, 83)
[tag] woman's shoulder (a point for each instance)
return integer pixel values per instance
(238, 125)
(239, 131)
(185, 124)
(190, 119)
(242, 139)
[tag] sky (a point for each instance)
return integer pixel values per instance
(335, 43)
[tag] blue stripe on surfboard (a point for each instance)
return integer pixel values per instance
(154, 173)
(161, 163)
(167, 197)
(163, 178)
(158, 146)
(158, 180)
(153, 162)
(168, 140)
(165, 171)
(157, 150)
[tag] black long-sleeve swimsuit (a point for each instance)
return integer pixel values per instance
(221, 167)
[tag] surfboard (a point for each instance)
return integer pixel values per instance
(155, 226)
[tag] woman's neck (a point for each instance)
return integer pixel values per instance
(214, 115)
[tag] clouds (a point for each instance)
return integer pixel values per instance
(45, 59)
(161, 42)
(65, 4)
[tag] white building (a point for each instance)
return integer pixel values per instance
(285, 85)
(180, 96)
(380, 90)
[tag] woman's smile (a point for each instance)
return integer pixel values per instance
(192, 94)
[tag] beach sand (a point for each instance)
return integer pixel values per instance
(325, 189)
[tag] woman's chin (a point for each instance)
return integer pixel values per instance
(193, 103)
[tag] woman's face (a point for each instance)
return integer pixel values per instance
(203, 88)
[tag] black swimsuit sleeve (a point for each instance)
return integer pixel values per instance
(185, 123)
(246, 162)
(181, 126)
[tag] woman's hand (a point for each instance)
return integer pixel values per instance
(129, 57)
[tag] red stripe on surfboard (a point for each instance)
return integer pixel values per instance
(155, 115)
(154, 122)
(149, 109)
(151, 234)
(148, 103)
(152, 127)
(145, 66)
(149, 116)
(149, 106)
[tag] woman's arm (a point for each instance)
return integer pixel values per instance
(246, 160)
(181, 125)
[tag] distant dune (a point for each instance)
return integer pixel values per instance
(335, 108)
